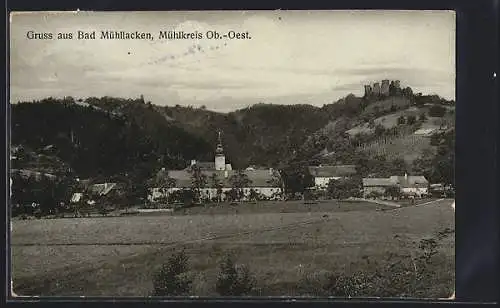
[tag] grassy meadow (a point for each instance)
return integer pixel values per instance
(287, 246)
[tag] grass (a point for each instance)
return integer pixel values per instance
(407, 147)
(277, 207)
(118, 256)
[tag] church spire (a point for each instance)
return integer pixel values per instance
(220, 159)
(220, 149)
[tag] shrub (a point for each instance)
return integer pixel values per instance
(411, 120)
(437, 111)
(374, 195)
(233, 280)
(403, 276)
(172, 279)
(342, 285)
(103, 210)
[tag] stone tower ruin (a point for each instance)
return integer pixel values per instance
(384, 90)
(368, 90)
(376, 88)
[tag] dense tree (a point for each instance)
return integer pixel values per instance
(393, 192)
(172, 278)
(411, 119)
(239, 181)
(114, 143)
(296, 179)
(439, 167)
(379, 130)
(344, 188)
(253, 195)
(437, 111)
(198, 181)
(49, 193)
(215, 183)
(163, 182)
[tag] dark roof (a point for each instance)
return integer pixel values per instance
(402, 181)
(105, 188)
(410, 181)
(332, 171)
(367, 182)
(258, 178)
(205, 165)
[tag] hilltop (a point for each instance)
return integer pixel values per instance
(103, 137)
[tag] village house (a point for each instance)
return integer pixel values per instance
(97, 191)
(265, 183)
(413, 185)
(323, 174)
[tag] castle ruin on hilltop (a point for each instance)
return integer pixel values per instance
(385, 88)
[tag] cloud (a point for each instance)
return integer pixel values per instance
(313, 56)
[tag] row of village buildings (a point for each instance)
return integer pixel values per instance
(267, 183)
(263, 182)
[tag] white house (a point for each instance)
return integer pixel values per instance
(323, 174)
(410, 185)
(414, 185)
(264, 182)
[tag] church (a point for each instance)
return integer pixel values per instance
(220, 178)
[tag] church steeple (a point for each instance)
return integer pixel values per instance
(220, 158)
(219, 150)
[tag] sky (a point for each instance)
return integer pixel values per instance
(293, 57)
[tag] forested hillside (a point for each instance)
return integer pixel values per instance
(102, 138)
(95, 143)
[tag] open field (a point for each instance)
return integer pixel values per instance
(118, 256)
(281, 207)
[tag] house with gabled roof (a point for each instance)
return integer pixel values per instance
(323, 174)
(97, 191)
(409, 185)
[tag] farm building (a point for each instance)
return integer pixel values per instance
(323, 174)
(98, 190)
(220, 180)
(409, 185)
(104, 189)
(376, 185)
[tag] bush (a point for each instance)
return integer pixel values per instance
(437, 111)
(232, 280)
(374, 195)
(402, 276)
(172, 279)
(411, 120)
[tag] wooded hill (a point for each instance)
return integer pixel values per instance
(102, 137)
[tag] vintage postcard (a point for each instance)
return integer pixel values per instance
(233, 153)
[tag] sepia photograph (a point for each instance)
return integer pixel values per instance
(233, 153)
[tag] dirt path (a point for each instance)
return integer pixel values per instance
(430, 202)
